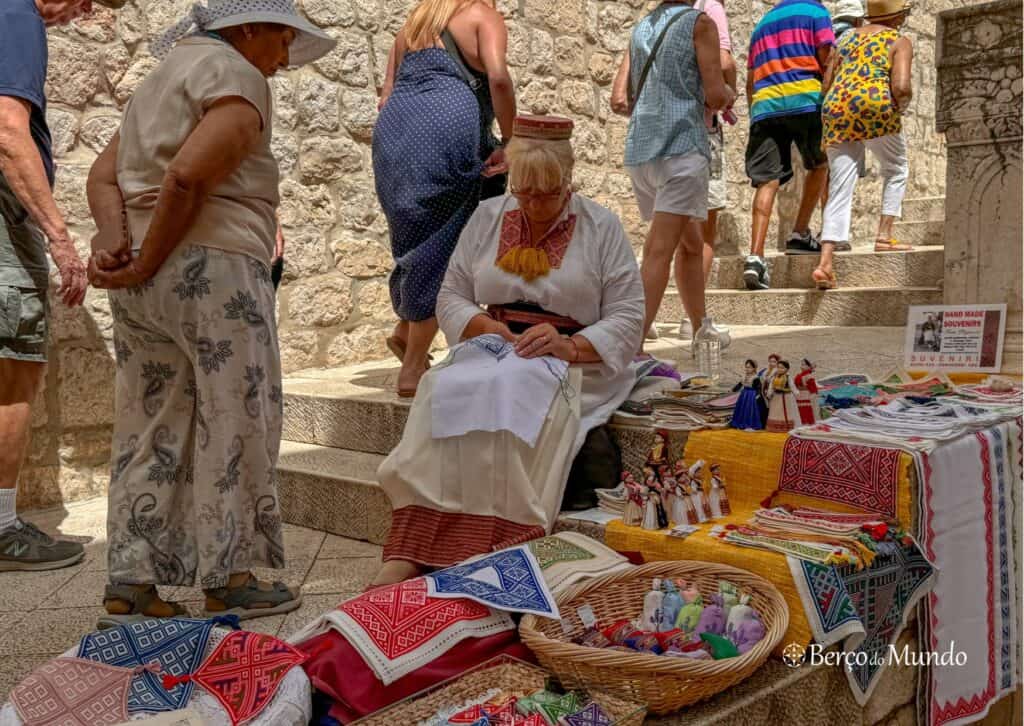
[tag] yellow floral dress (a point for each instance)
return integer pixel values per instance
(859, 104)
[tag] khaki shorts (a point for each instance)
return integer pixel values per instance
(673, 185)
(23, 282)
(717, 195)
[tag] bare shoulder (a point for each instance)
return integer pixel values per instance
(483, 14)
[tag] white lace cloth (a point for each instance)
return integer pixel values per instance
(292, 704)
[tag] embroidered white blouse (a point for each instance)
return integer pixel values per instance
(597, 283)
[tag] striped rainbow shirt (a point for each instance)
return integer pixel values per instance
(783, 59)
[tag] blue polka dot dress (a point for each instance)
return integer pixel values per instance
(427, 160)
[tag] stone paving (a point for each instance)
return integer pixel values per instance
(43, 614)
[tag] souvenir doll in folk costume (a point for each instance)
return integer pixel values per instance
(668, 489)
(717, 497)
(654, 485)
(782, 414)
(650, 520)
(751, 410)
(767, 375)
(682, 511)
(633, 514)
(807, 394)
(658, 455)
(697, 498)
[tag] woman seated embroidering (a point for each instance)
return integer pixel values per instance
(493, 432)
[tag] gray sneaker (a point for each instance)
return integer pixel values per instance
(24, 547)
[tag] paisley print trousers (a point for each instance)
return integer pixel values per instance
(197, 427)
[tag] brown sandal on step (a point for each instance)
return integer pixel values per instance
(891, 245)
(824, 280)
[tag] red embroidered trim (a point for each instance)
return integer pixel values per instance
(515, 232)
(441, 539)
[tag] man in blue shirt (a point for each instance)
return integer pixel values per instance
(30, 219)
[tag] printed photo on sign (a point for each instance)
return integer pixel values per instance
(955, 337)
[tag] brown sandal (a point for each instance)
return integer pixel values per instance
(253, 599)
(139, 600)
(824, 280)
(891, 245)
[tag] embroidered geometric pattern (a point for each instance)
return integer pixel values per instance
(591, 715)
(73, 692)
(245, 670)
(860, 476)
(552, 550)
(515, 232)
(399, 628)
(177, 644)
(871, 605)
(507, 580)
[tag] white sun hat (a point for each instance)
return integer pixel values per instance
(851, 9)
(310, 41)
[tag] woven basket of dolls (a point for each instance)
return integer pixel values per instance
(666, 684)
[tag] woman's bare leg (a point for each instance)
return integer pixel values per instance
(885, 223)
(395, 571)
(421, 337)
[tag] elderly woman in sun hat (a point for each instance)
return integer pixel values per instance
(493, 433)
(867, 88)
(184, 200)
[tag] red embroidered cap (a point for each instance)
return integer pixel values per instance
(549, 128)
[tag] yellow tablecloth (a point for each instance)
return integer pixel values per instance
(750, 463)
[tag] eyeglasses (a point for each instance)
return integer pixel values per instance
(537, 196)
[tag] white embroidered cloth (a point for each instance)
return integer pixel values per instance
(908, 425)
(484, 385)
(569, 557)
(969, 511)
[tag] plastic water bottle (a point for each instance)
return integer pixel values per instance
(707, 346)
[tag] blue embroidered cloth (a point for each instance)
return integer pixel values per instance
(176, 644)
(866, 609)
(509, 580)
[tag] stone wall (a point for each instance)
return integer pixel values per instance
(334, 304)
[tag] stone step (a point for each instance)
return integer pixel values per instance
(920, 234)
(859, 306)
(924, 209)
(333, 490)
(355, 409)
(919, 268)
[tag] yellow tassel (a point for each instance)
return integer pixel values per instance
(527, 262)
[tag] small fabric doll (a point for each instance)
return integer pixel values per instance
(730, 595)
(689, 615)
(650, 520)
(700, 505)
(739, 611)
(712, 618)
(718, 498)
(656, 496)
(633, 514)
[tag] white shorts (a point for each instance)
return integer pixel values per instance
(674, 185)
(717, 196)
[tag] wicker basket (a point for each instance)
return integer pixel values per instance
(505, 673)
(665, 684)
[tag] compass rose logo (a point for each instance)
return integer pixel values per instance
(793, 655)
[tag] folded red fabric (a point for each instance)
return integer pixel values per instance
(335, 668)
